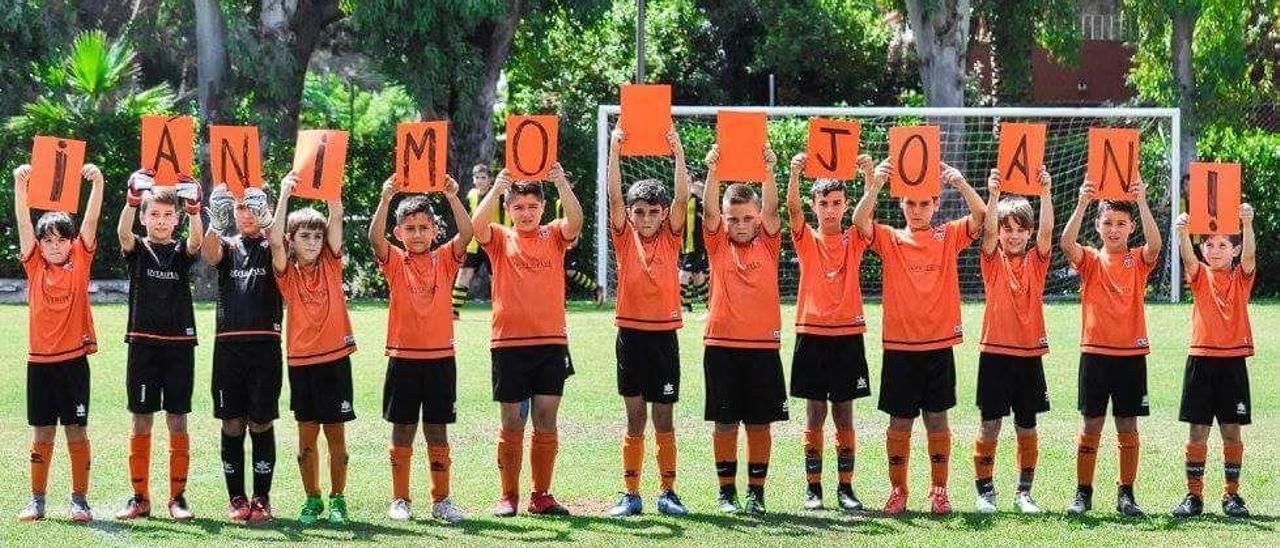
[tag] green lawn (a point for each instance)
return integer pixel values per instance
(588, 475)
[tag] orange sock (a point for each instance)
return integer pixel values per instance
(939, 457)
(542, 459)
(1196, 455)
(759, 448)
(632, 461)
(846, 447)
(812, 455)
(510, 457)
(1128, 444)
(1232, 458)
(41, 455)
(179, 463)
(667, 459)
(725, 447)
(335, 436)
(1028, 456)
(898, 447)
(308, 460)
(984, 463)
(441, 462)
(79, 452)
(140, 464)
(401, 466)
(1086, 458)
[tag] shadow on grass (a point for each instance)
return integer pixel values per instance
(278, 530)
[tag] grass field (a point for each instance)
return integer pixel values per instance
(588, 475)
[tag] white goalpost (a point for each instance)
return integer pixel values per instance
(973, 149)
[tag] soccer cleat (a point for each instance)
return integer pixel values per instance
(238, 509)
(727, 501)
(506, 507)
(338, 510)
(669, 504)
(179, 510)
(1233, 506)
(311, 510)
(755, 501)
(260, 510)
(629, 504)
(847, 499)
(1025, 503)
(400, 510)
(813, 497)
(939, 504)
(134, 508)
(34, 510)
(1125, 504)
(986, 503)
(544, 504)
(1083, 502)
(445, 510)
(897, 502)
(1191, 506)
(79, 509)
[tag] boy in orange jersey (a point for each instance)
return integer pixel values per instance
(60, 333)
(529, 342)
(1010, 370)
(921, 325)
(1113, 343)
(647, 226)
(421, 383)
(1216, 382)
(830, 362)
(306, 255)
(162, 333)
(741, 365)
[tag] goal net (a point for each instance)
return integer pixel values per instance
(970, 141)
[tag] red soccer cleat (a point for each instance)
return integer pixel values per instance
(897, 502)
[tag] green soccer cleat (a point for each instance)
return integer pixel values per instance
(337, 510)
(311, 510)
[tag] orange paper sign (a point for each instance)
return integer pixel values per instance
(832, 151)
(55, 174)
(319, 159)
(645, 119)
(742, 138)
(916, 154)
(1020, 158)
(235, 158)
(1215, 198)
(420, 156)
(1113, 162)
(532, 143)
(168, 147)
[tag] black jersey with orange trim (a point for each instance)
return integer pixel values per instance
(160, 294)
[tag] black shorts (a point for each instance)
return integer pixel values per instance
(744, 385)
(322, 393)
(521, 372)
(475, 260)
(1215, 387)
(1122, 380)
(832, 368)
(912, 381)
(246, 380)
(420, 389)
(694, 262)
(58, 393)
(160, 377)
(648, 365)
(1012, 383)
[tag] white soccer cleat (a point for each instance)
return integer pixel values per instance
(987, 503)
(1025, 503)
(447, 512)
(400, 510)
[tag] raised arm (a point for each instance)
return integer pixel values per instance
(483, 214)
(1044, 234)
(711, 194)
(124, 226)
(335, 227)
(680, 197)
(990, 222)
(1249, 248)
(977, 209)
(1070, 241)
(460, 219)
(572, 227)
(22, 212)
(874, 181)
(1150, 230)
(378, 227)
(1187, 251)
(795, 208)
(617, 205)
(221, 213)
(280, 255)
(191, 198)
(770, 218)
(93, 209)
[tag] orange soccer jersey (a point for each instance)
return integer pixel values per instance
(829, 301)
(1013, 320)
(318, 329)
(420, 316)
(1112, 296)
(648, 279)
(60, 322)
(1220, 316)
(528, 285)
(743, 312)
(921, 284)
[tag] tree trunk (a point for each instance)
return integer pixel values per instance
(294, 28)
(471, 134)
(211, 70)
(941, 30)
(1184, 26)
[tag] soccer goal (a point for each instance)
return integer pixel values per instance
(970, 140)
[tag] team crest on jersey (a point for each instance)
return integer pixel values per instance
(544, 232)
(1128, 260)
(264, 244)
(939, 233)
(1142, 342)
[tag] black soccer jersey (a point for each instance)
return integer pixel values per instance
(249, 304)
(160, 294)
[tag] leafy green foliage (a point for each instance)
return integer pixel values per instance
(1258, 152)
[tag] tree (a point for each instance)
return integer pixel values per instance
(1017, 27)
(941, 30)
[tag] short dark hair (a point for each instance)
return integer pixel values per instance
(822, 187)
(57, 224)
(526, 188)
(649, 191)
(480, 168)
(740, 193)
(1128, 208)
(413, 205)
(1016, 212)
(166, 196)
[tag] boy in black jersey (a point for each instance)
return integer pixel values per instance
(247, 365)
(162, 332)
